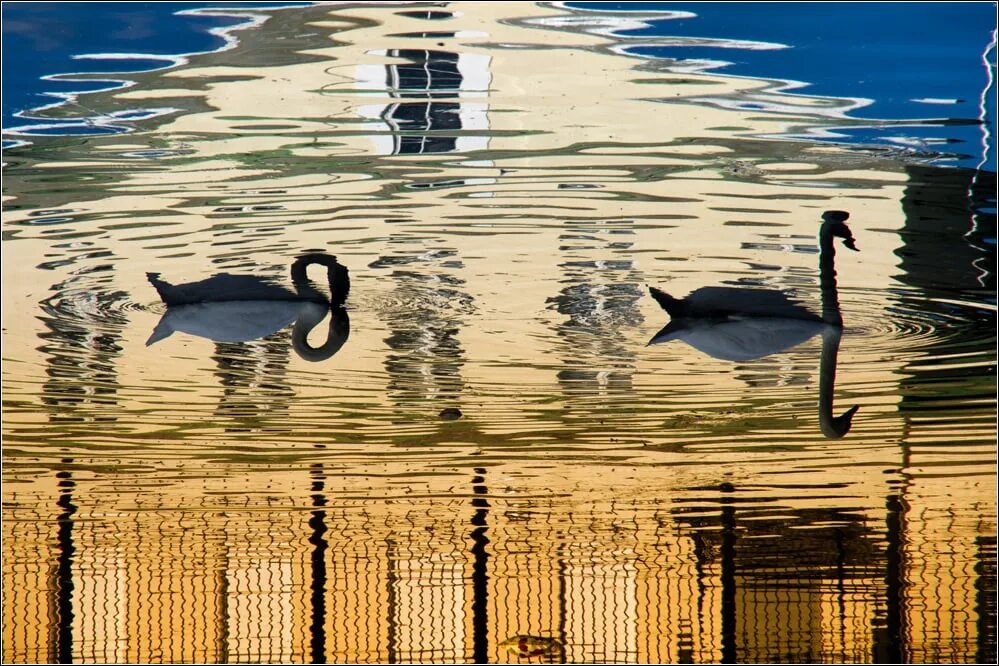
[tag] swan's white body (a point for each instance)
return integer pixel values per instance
(234, 321)
(743, 338)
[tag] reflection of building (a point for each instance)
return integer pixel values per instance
(31, 564)
(255, 392)
(272, 567)
(949, 213)
(798, 588)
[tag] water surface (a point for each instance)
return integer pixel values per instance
(504, 184)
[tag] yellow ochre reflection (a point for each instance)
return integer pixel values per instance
(504, 185)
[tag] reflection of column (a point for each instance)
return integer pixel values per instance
(426, 358)
(255, 392)
(317, 523)
(480, 575)
(889, 638)
(64, 581)
(600, 299)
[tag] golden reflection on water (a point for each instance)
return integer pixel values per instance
(502, 202)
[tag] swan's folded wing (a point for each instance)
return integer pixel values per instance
(740, 301)
(220, 288)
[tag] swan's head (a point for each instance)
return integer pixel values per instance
(834, 223)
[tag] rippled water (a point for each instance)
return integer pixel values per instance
(503, 186)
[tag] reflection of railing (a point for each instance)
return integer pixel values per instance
(604, 582)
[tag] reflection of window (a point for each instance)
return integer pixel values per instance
(430, 111)
(430, 74)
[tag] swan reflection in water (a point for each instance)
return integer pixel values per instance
(742, 324)
(239, 308)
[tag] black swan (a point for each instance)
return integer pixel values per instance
(237, 308)
(741, 324)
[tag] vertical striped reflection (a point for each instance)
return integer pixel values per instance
(64, 569)
(317, 525)
(986, 601)
(101, 589)
(359, 586)
(939, 582)
(480, 575)
(483, 576)
(791, 588)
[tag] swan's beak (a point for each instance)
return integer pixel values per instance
(841, 230)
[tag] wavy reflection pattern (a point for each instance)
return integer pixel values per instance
(708, 579)
(602, 502)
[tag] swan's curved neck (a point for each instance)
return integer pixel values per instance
(832, 427)
(827, 278)
(339, 280)
(339, 331)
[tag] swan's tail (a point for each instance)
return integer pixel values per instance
(673, 306)
(162, 287)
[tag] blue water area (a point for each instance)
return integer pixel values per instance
(41, 38)
(893, 54)
(926, 62)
